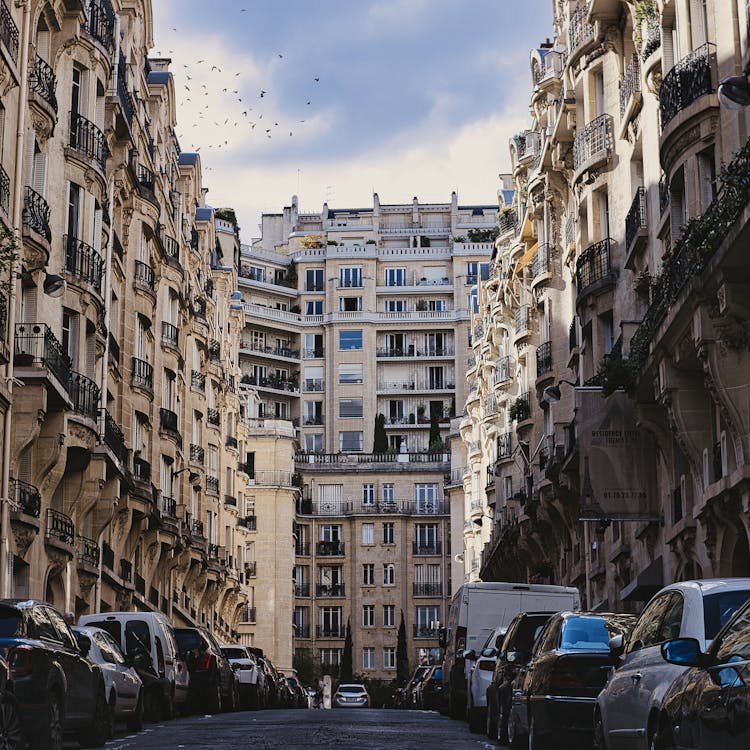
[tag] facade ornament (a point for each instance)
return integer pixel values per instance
(23, 535)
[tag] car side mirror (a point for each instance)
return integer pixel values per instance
(84, 645)
(616, 648)
(470, 654)
(684, 652)
(516, 657)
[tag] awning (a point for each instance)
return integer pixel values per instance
(645, 584)
(526, 257)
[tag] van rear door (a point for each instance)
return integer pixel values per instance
(487, 610)
(548, 601)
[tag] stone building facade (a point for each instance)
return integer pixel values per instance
(127, 430)
(614, 324)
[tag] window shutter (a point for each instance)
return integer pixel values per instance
(39, 172)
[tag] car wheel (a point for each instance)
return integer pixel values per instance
(111, 715)
(97, 733)
(168, 705)
(214, 698)
(10, 724)
(134, 722)
(516, 740)
(50, 736)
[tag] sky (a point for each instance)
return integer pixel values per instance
(332, 100)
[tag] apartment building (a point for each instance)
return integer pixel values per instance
(357, 329)
(606, 431)
(126, 429)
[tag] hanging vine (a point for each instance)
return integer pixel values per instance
(645, 10)
(9, 256)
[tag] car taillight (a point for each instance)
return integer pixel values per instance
(204, 662)
(563, 678)
(21, 661)
(486, 665)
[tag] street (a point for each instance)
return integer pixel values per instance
(352, 729)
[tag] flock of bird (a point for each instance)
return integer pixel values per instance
(247, 116)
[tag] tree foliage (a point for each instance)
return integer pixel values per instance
(379, 438)
(346, 673)
(402, 655)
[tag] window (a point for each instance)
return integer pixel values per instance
(350, 340)
(472, 269)
(428, 619)
(350, 276)
(436, 305)
(395, 276)
(330, 657)
(331, 619)
(350, 407)
(645, 633)
(426, 497)
(350, 441)
(350, 304)
(608, 332)
(707, 177)
(350, 374)
(368, 533)
(395, 305)
(368, 494)
(389, 615)
(314, 307)
(389, 494)
(389, 574)
(389, 657)
(330, 532)
(368, 574)
(313, 411)
(368, 657)
(388, 532)
(426, 535)
(314, 280)
(313, 442)
(313, 379)
(368, 616)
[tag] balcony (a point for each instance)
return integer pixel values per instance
(142, 375)
(84, 393)
(37, 346)
(330, 549)
(544, 358)
(411, 351)
(279, 351)
(520, 410)
(540, 263)
(249, 615)
(436, 384)
(42, 83)
(270, 477)
(100, 22)
(196, 529)
(630, 89)
(333, 590)
(59, 527)
(198, 381)
(89, 553)
(170, 335)
(427, 589)
(114, 438)
(504, 446)
(302, 589)
(302, 549)
(88, 140)
(213, 349)
(313, 385)
(199, 308)
(4, 191)
(141, 470)
(593, 266)
(652, 38)
(580, 31)
(212, 484)
(168, 421)
(231, 442)
(25, 498)
(146, 182)
(316, 353)
(83, 262)
(36, 213)
(143, 276)
(313, 419)
(168, 506)
(504, 368)
(522, 320)
(251, 569)
(686, 82)
(126, 570)
(248, 522)
(427, 548)
(636, 225)
(274, 383)
(425, 631)
(212, 417)
(197, 454)
(171, 247)
(325, 631)
(592, 144)
(301, 630)
(8, 31)
(230, 500)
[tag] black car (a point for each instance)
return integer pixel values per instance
(431, 689)
(554, 695)
(59, 691)
(213, 684)
(11, 735)
(515, 653)
(708, 707)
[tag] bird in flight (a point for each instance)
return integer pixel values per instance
(317, 80)
(262, 93)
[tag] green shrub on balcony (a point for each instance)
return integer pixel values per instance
(520, 410)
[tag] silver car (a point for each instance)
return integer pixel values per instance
(351, 696)
(627, 709)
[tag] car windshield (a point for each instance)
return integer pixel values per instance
(189, 640)
(588, 633)
(351, 689)
(10, 624)
(719, 607)
(233, 653)
(111, 626)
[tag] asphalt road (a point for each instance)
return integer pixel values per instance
(356, 729)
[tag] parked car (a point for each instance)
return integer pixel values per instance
(11, 732)
(300, 693)
(351, 696)
(122, 684)
(430, 694)
(483, 665)
(273, 698)
(408, 695)
(247, 673)
(288, 699)
(213, 685)
(265, 687)
(708, 705)
(514, 652)
(554, 695)
(148, 639)
(628, 708)
(59, 691)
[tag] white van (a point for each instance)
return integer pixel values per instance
(165, 676)
(478, 608)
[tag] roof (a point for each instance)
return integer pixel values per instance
(187, 158)
(204, 214)
(159, 77)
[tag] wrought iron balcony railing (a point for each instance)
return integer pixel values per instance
(504, 446)
(197, 454)
(251, 569)
(146, 179)
(169, 506)
(4, 190)
(143, 374)
(331, 631)
(83, 262)
(434, 588)
(199, 308)
(60, 526)
(114, 438)
(504, 369)
(213, 417)
(593, 264)
(427, 548)
(323, 589)
(580, 30)
(36, 345)
(687, 81)
(196, 528)
(544, 358)
(302, 589)
(42, 81)
(301, 630)
(198, 380)
(171, 246)
(540, 263)
(141, 470)
(88, 139)
(36, 213)
(25, 497)
(84, 393)
(100, 22)
(637, 219)
(522, 319)
(302, 548)
(593, 142)
(212, 484)
(330, 549)
(168, 420)
(248, 522)
(125, 97)
(88, 551)
(8, 31)
(170, 334)
(425, 631)
(652, 37)
(630, 84)
(144, 275)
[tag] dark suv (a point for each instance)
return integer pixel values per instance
(213, 684)
(59, 691)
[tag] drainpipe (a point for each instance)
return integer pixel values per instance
(14, 296)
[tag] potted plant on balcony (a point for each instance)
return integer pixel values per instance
(519, 410)
(420, 413)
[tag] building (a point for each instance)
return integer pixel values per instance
(127, 432)
(351, 314)
(610, 388)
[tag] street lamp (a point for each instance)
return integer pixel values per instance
(734, 92)
(54, 285)
(551, 393)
